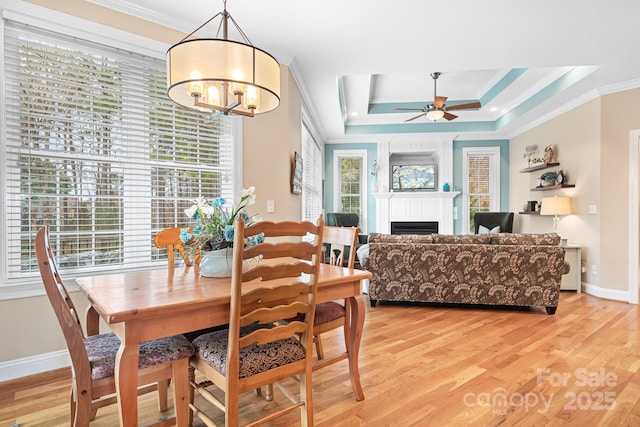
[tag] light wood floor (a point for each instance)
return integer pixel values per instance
(428, 365)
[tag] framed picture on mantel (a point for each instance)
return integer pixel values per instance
(296, 174)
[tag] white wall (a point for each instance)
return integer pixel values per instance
(575, 137)
(28, 325)
(592, 145)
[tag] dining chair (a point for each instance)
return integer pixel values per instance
(343, 219)
(331, 315)
(256, 350)
(169, 238)
(93, 357)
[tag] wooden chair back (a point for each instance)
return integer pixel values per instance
(281, 294)
(63, 308)
(88, 395)
(264, 293)
(170, 239)
(336, 239)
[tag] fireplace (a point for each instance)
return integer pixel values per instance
(414, 227)
(415, 206)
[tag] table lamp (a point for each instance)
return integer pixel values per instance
(555, 206)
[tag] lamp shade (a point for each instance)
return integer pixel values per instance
(555, 206)
(200, 68)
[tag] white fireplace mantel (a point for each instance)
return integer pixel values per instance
(415, 206)
(408, 206)
(417, 195)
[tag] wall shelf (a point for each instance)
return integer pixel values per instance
(529, 213)
(553, 187)
(549, 187)
(539, 167)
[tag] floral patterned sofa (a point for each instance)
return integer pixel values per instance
(498, 269)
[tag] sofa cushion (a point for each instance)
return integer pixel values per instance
(462, 239)
(400, 238)
(550, 239)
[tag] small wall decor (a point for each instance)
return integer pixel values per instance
(374, 168)
(296, 174)
(548, 154)
(529, 151)
(548, 179)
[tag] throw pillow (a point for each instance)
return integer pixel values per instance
(484, 230)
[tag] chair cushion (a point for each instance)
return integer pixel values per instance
(102, 350)
(328, 311)
(325, 312)
(212, 348)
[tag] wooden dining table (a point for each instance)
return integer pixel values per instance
(145, 305)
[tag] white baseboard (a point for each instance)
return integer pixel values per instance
(17, 368)
(606, 293)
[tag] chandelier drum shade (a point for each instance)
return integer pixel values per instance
(222, 75)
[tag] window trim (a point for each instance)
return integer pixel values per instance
(54, 21)
(362, 154)
(306, 125)
(493, 152)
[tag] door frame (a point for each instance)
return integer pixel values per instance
(634, 215)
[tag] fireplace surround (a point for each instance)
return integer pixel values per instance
(414, 227)
(415, 206)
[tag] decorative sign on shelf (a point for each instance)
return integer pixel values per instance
(296, 174)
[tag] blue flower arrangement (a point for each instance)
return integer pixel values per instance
(214, 224)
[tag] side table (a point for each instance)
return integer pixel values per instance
(572, 281)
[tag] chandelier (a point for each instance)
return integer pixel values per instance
(222, 76)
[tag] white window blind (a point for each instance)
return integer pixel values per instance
(350, 185)
(95, 149)
(311, 176)
(481, 186)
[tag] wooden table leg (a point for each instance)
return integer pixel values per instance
(126, 376)
(356, 324)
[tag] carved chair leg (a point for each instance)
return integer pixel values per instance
(268, 392)
(73, 406)
(163, 389)
(192, 381)
(319, 349)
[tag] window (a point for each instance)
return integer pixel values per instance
(95, 149)
(481, 187)
(311, 175)
(350, 185)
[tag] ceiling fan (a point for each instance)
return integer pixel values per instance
(439, 109)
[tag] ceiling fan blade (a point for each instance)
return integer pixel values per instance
(449, 116)
(413, 118)
(439, 101)
(465, 106)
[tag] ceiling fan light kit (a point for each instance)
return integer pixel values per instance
(439, 109)
(435, 115)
